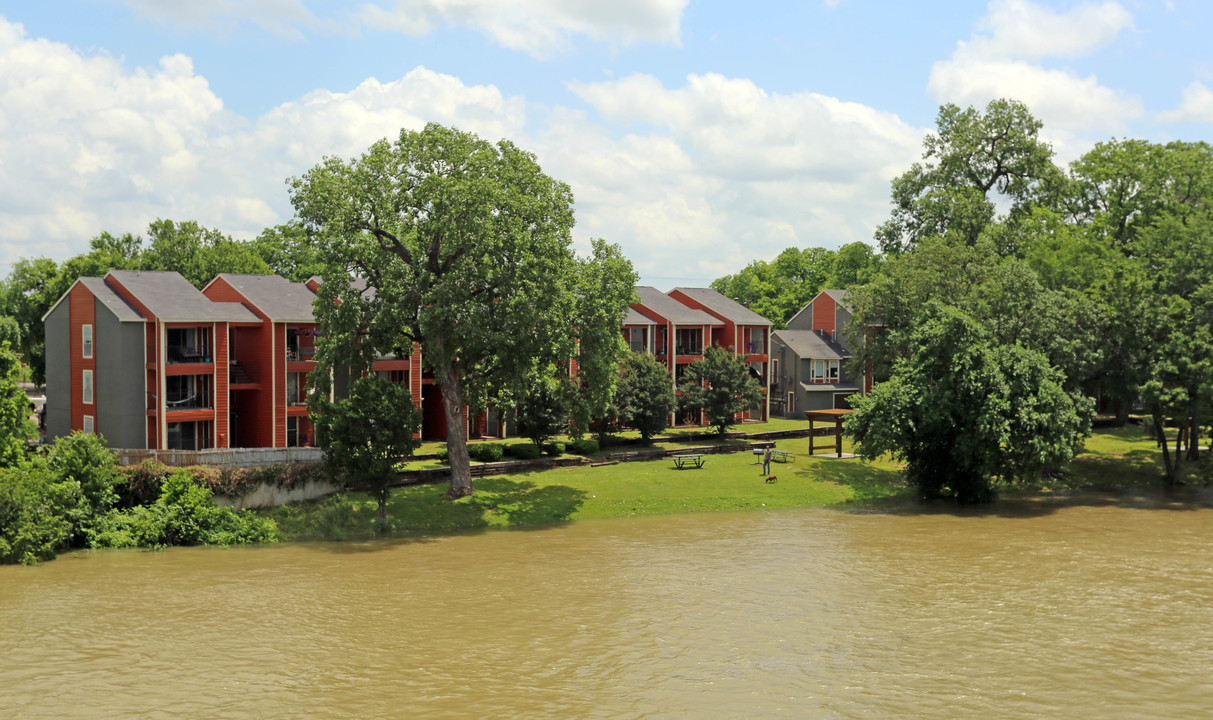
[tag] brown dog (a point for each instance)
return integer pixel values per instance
(772, 479)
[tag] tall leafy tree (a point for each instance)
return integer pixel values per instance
(466, 245)
(15, 426)
(365, 435)
(198, 253)
(645, 396)
(289, 252)
(721, 386)
(962, 411)
(605, 282)
(970, 160)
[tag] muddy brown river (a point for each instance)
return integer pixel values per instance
(1099, 608)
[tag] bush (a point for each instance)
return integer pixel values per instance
(522, 451)
(34, 513)
(185, 514)
(586, 446)
(553, 449)
(444, 455)
(486, 452)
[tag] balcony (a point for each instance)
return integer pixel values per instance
(300, 354)
(756, 348)
(690, 350)
(181, 400)
(181, 354)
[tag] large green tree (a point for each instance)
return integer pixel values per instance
(720, 385)
(467, 247)
(198, 253)
(962, 411)
(972, 159)
(605, 282)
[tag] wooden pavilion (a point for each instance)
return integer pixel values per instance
(836, 416)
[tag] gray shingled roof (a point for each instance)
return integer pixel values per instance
(819, 387)
(671, 309)
(280, 299)
(112, 300)
(173, 299)
(808, 344)
(726, 306)
(635, 317)
(840, 297)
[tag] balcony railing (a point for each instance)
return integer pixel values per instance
(299, 354)
(187, 354)
(187, 401)
(690, 350)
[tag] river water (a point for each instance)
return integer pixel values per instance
(1099, 608)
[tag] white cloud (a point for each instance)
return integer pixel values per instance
(728, 172)
(536, 27)
(281, 17)
(1195, 106)
(1025, 30)
(693, 181)
(1002, 61)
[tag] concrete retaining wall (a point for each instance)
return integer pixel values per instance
(233, 457)
(269, 496)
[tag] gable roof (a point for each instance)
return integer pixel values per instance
(810, 344)
(278, 298)
(635, 317)
(728, 307)
(112, 300)
(672, 310)
(173, 299)
(840, 297)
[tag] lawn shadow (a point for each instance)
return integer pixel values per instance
(523, 504)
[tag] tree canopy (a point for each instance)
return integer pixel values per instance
(719, 385)
(467, 246)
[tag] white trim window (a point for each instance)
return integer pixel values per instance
(89, 427)
(825, 371)
(86, 341)
(87, 387)
(774, 371)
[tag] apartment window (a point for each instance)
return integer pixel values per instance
(88, 387)
(774, 372)
(755, 346)
(86, 332)
(825, 371)
(791, 402)
(292, 432)
(88, 425)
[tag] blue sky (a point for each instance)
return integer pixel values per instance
(697, 135)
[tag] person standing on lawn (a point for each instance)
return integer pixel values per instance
(766, 461)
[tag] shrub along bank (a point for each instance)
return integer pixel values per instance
(75, 496)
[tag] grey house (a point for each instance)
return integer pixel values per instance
(809, 359)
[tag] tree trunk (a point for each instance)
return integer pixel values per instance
(1193, 438)
(383, 511)
(1161, 434)
(456, 434)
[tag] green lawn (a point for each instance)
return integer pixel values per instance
(1119, 457)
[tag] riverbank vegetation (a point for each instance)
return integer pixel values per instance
(1112, 458)
(75, 496)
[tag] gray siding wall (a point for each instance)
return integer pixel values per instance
(121, 396)
(58, 373)
(842, 318)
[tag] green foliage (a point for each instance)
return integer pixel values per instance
(522, 451)
(721, 385)
(34, 513)
(645, 395)
(15, 425)
(544, 412)
(553, 449)
(486, 451)
(198, 253)
(583, 446)
(961, 411)
(971, 155)
(467, 245)
(606, 285)
(365, 435)
(777, 290)
(289, 251)
(82, 458)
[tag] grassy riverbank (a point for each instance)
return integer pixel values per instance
(1119, 457)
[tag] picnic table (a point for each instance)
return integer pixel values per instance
(682, 461)
(782, 456)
